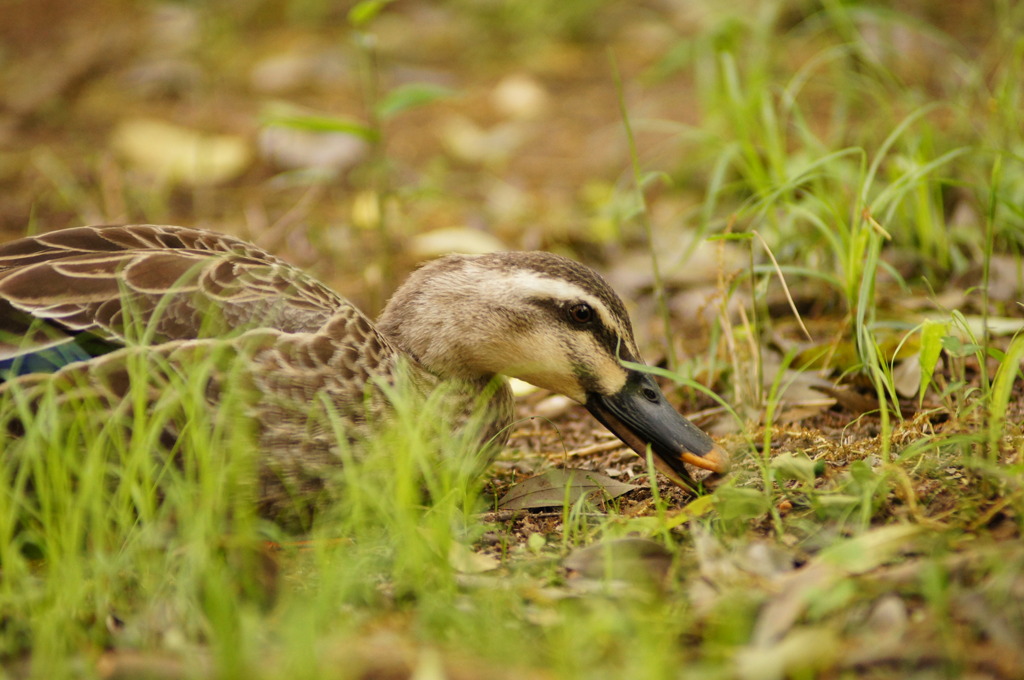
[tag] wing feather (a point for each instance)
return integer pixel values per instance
(175, 282)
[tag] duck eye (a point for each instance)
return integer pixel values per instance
(581, 313)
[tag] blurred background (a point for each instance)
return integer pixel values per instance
(357, 139)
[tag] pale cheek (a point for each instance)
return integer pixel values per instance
(560, 383)
(607, 375)
(544, 364)
(612, 377)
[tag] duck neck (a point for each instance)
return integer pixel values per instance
(439, 331)
(438, 346)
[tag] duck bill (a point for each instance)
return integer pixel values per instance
(640, 415)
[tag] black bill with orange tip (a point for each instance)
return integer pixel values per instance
(639, 414)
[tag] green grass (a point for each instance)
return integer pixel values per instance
(875, 169)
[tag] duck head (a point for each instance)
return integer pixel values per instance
(551, 322)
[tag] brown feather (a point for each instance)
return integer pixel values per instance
(177, 298)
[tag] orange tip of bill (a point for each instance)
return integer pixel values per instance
(716, 460)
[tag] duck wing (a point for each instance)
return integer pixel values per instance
(77, 293)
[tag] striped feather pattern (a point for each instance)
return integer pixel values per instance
(83, 301)
(79, 307)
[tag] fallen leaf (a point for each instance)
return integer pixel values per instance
(889, 617)
(698, 507)
(552, 407)
(798, 589)
(439, 242)
(127, 663)
(521, 388)
(467, 561)
(555, 487)
(180, 155)
(796, 465)
(869, 550)
(520, 96)
(996, 325)
(799, 654)
(850, 399)
(471, 143)
(630, 559)
(907, 376)
(297, 148)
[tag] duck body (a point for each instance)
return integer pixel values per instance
(78, 303)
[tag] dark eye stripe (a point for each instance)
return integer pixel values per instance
(607, 338)
(615, 345)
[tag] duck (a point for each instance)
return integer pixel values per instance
(77, 303)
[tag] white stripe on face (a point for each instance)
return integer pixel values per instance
(535, 283)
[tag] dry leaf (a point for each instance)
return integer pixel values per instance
(799, 654)
(180, 155)
(839, 561)
(850, 399)
(471, 143)
(520, 96)
(467, 561)
(907, 376)
(439, 242)
(127, 664)
(698, 507)
(292, 148)
(630, 559)
(555, 487)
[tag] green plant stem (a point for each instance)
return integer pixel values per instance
(379, 183)
(986, 263)
(659, 284)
